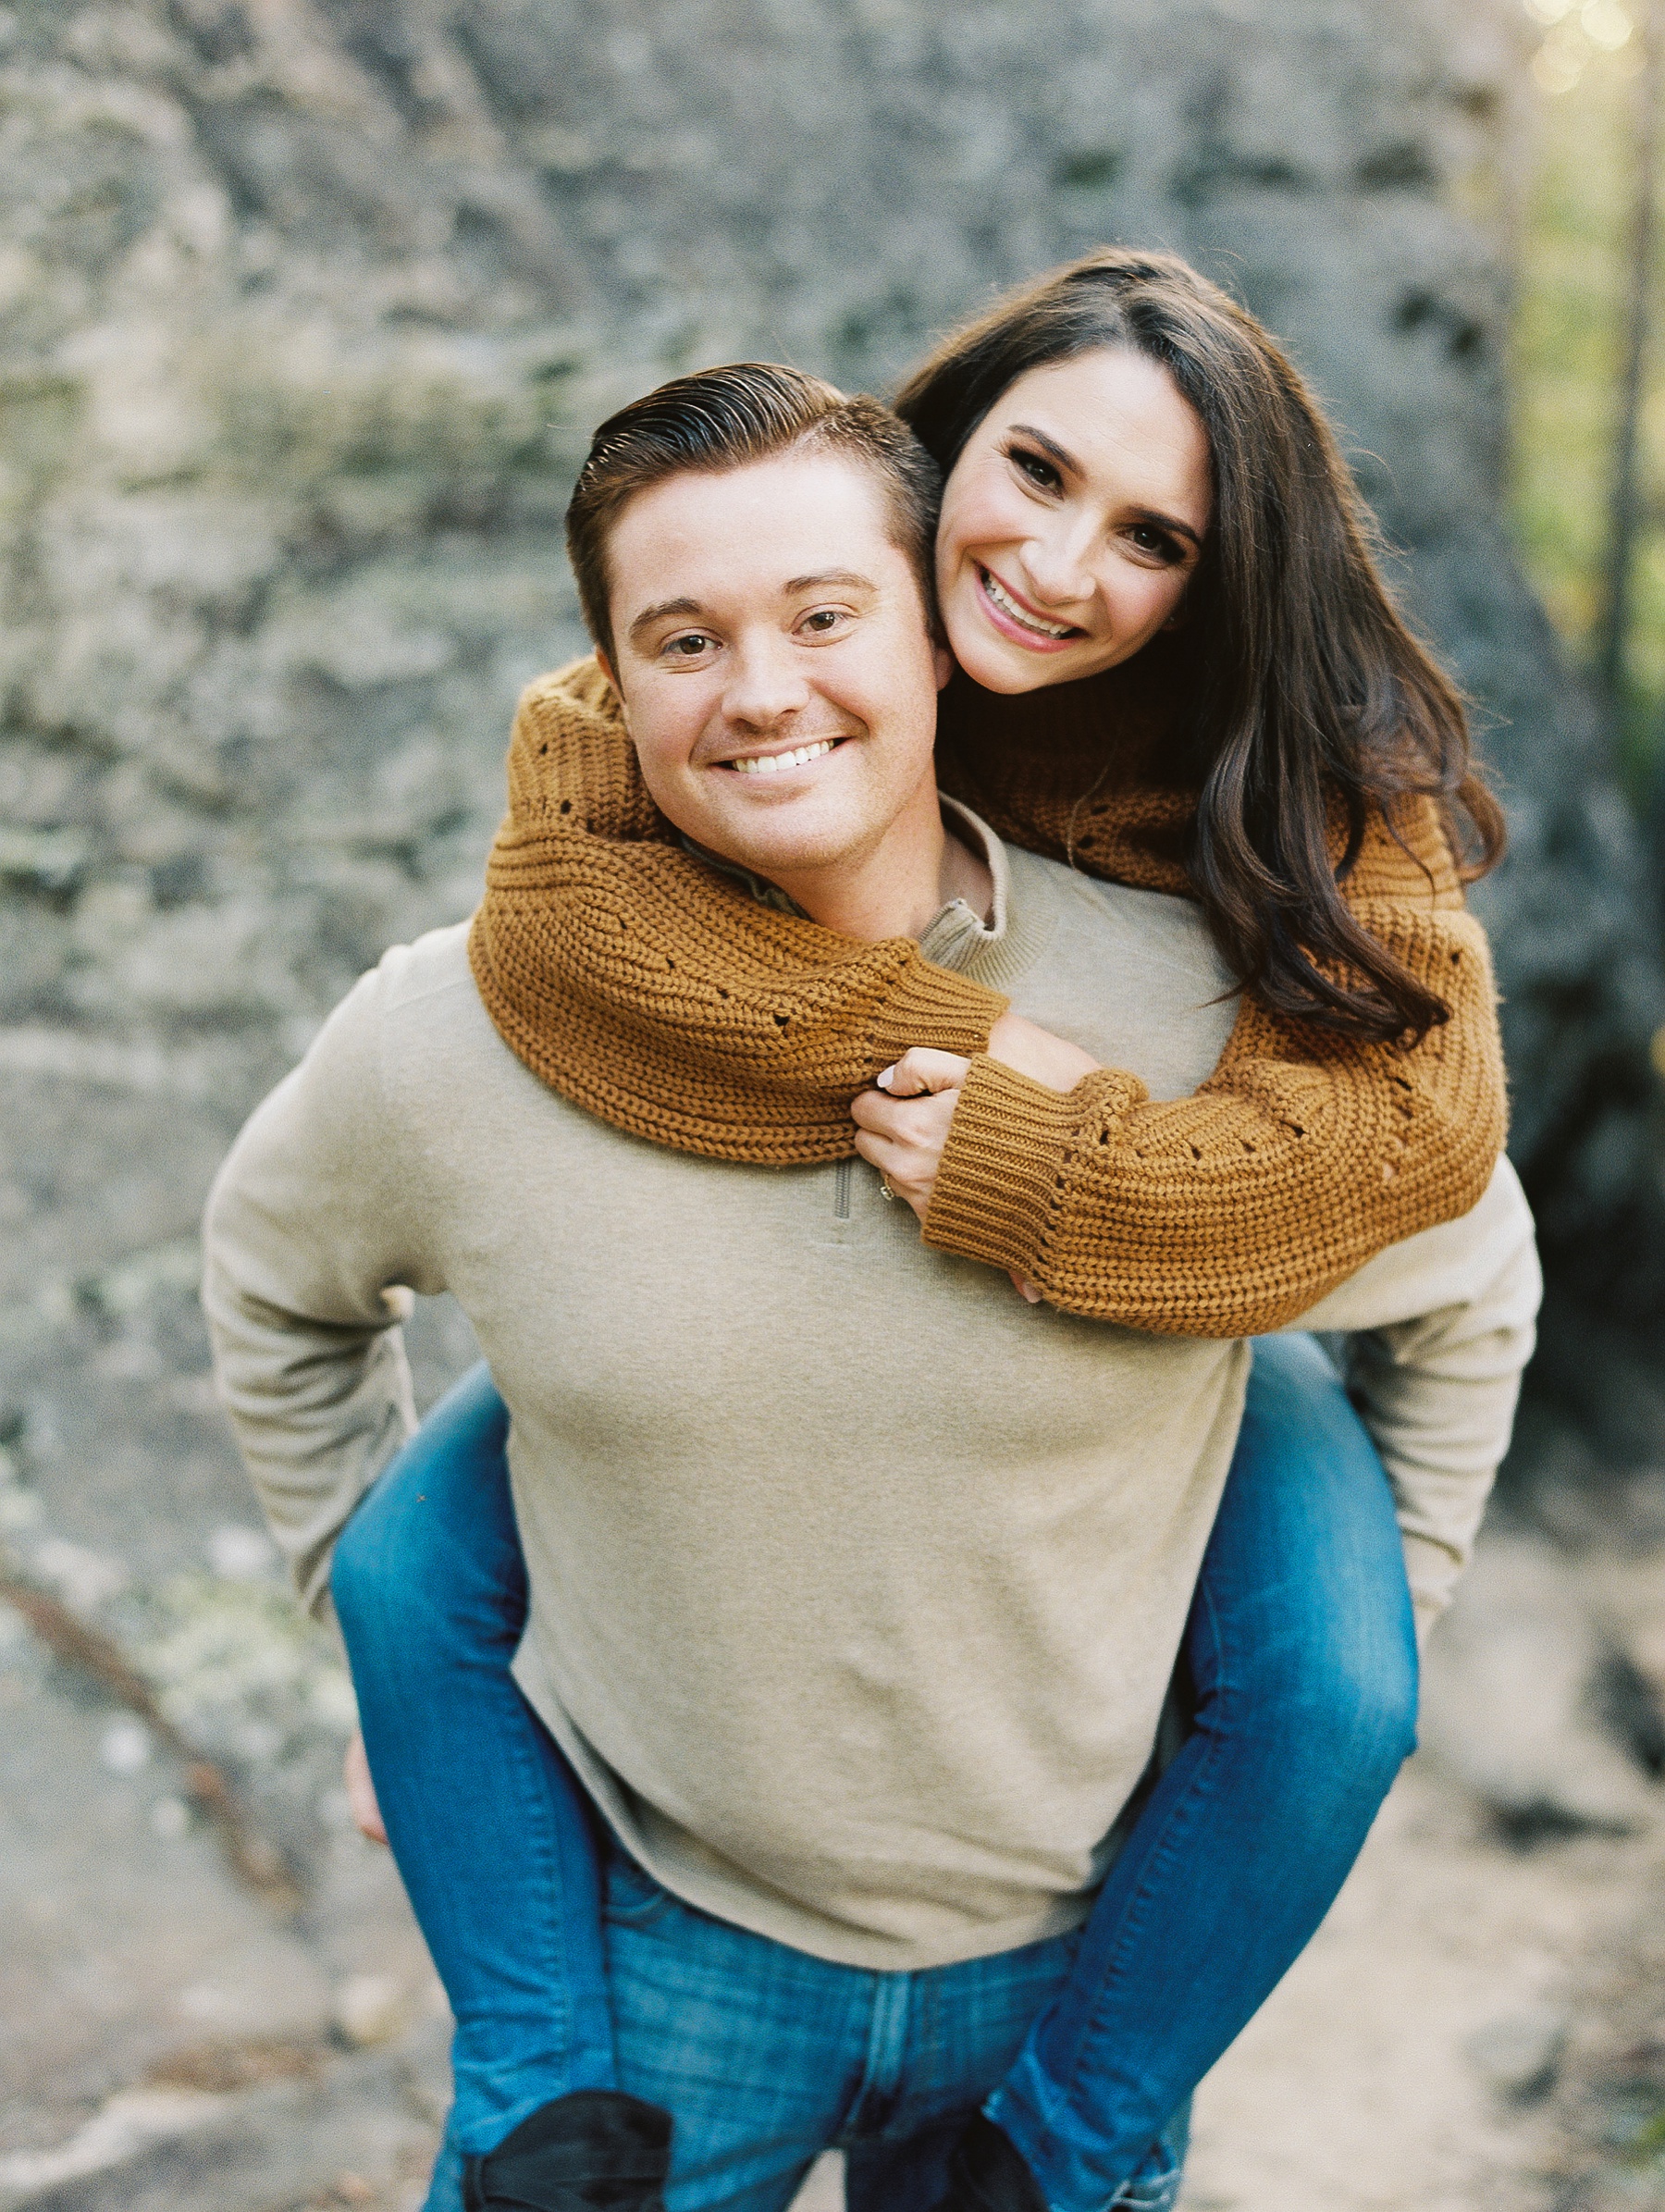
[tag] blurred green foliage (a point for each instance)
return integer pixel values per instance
(1574, 280)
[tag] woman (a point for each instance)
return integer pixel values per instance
(1180, 669)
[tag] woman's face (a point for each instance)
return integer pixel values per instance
(1072, 522)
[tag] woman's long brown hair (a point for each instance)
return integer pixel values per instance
(1305, 685)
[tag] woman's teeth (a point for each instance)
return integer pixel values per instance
(769, 764)
(1009, 607)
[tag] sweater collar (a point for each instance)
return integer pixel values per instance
(956, 934)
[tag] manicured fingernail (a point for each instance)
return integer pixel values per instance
(884, 1078)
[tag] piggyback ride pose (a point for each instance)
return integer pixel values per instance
(950, 1571)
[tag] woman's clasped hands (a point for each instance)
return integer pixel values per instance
(902, 1123)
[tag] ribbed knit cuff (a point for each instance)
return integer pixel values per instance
(1001, 1168)
(934, 1006)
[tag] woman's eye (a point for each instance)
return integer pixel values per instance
(823, 621)
(1035, 467)
(1157, 543)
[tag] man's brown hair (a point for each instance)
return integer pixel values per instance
(726, 418)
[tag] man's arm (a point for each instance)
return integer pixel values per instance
(1440, 1328)
(310, 1262)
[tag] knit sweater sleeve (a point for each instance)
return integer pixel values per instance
(1232, 1211)
(635, 981)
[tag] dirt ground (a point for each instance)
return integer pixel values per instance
(1479, 2026)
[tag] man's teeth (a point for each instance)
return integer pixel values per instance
(769, 764)
(1004, 602)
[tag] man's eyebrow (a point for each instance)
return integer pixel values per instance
(1054, 452)
(653, 614)
(794, 584)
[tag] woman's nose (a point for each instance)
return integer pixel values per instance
(1056, 567)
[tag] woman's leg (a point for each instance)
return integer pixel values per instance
(1303, 1660)
(490, 1831)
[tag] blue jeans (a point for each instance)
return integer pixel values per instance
(1301, 1667)
(767, 2056)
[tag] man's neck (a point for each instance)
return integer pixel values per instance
(899, 885)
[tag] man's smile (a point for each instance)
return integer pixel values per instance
(771, 764)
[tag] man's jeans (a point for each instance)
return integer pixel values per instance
(767, 2056)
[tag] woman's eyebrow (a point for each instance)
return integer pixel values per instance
(1049, 446)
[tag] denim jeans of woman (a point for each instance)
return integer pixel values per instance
(1302, 1669)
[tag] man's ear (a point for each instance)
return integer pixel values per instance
(942, 659)
(606, 667)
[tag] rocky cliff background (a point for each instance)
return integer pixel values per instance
(306, 308)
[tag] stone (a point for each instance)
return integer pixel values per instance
(1519, 2054)
(289, 425)
(371, 2008)
(1513, 1706)
(181, 2150)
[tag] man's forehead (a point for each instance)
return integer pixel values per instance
(793, 515)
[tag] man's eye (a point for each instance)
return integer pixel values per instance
(689, 646)
(823, 620)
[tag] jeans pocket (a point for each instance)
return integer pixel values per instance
(633, 1899)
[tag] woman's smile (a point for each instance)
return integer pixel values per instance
(1015, 618)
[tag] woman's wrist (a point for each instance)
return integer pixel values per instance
(998, 1183)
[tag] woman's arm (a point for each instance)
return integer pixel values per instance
(660, 996)
(663, 998)
(1230, 1212)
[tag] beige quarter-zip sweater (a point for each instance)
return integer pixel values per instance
(857, 1582)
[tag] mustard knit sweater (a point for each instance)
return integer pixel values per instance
(637, 983)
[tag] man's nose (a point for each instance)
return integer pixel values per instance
(765, 686)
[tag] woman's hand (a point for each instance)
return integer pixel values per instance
(902, 1123)
(361, 1792)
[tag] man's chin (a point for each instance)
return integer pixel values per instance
(777, 858)
(773, 840)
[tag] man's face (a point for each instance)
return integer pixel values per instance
(773, 653)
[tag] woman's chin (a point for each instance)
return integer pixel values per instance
(1010, 670)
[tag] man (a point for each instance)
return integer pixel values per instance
(856, 1582)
